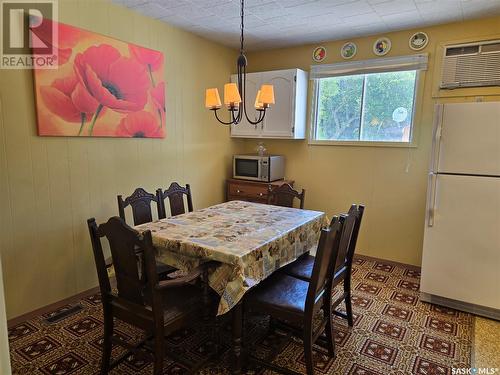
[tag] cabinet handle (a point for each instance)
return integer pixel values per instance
(238, 191)
(261, 194)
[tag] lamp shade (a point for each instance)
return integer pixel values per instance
(266, 94)
(232, 96)
(258, 103)
(212, 99)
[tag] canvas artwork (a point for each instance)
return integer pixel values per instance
(102, 87)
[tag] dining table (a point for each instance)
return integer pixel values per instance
(249, 241)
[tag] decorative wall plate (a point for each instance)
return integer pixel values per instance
(382, 46)
(348, 50)
(319, 54)
(418, 41)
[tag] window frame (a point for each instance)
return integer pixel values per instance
(416, 115)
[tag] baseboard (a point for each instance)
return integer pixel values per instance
(391, 262)
(487, 312)
(374, 259)
(53, 306)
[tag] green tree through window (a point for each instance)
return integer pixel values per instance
(367, 107)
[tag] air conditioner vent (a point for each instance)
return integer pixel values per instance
(494, 47)
(455, 51)
(471, 65)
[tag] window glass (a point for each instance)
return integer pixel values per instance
(339, 107)
(374, 107)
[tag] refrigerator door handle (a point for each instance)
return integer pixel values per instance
(436, 141)
(432, 202)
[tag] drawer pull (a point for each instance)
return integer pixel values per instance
(260, 194)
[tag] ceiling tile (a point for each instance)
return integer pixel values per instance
(408, 19)
(249, 4)
(192, 12)
(486, 8)
(363, 19)
(279, 23)
(394, 6)
(375, 2)
(352, 9)
(154, 10)
(170, 3)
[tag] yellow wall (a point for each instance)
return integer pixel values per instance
(49, 186)
(335, 176)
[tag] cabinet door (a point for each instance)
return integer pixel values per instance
(280, 117)
(245, 128)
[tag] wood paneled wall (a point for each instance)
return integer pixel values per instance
(4, 334)
(49, 186)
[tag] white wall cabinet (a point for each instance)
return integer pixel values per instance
(286, 119)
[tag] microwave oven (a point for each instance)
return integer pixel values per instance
(265, 168)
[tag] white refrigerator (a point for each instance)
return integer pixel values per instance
(461, 251)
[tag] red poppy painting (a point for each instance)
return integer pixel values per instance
(102, 87)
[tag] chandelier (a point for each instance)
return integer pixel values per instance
(234, 94)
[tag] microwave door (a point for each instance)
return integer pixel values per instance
(247, 168)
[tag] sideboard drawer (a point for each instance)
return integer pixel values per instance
(250, 191)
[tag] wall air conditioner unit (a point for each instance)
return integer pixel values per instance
(471, 65)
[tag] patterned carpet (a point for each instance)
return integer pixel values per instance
(394, 333)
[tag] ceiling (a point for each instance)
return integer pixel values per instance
(280, 23)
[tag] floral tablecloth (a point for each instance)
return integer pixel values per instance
(250, 240)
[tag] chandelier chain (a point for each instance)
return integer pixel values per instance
(242, 14)
(237, 113)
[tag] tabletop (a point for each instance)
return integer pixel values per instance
(250, 240)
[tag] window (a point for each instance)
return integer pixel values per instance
(370, 101)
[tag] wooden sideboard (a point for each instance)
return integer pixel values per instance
(251, 191)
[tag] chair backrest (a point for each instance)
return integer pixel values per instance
(322, 272)
(354, 236)
(284, 196)
(349, 237)
(135, 273)
(140, 202)
(175, 194)
(345, 239)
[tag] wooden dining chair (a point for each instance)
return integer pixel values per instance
(284, 196)
(302, 268)
(175, 194)
(141, 203)
(157, 307)
(287, 298)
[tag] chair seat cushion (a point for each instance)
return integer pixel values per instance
(163, 269)
(279, 295)
(301, 268)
